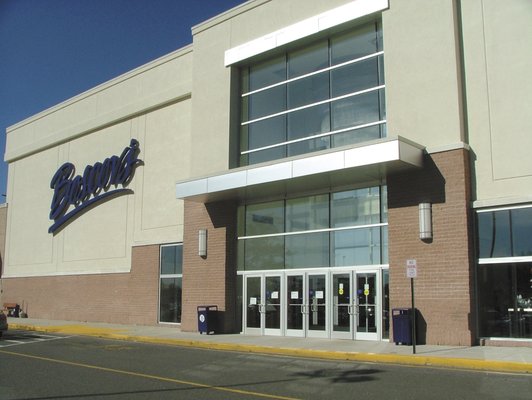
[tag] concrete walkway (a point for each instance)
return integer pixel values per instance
(484, 358)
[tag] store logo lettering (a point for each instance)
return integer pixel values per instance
(95, 185)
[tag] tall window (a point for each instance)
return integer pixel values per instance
(504, 275)
(328, 94)
(171, 279)
(337, 229)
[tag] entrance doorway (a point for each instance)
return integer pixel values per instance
(306, 304)
(344, 304)
(263, 304)
(356, 305)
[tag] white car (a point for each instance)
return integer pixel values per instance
(3, 323)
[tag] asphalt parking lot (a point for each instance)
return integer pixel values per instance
(18, 338)
(47, 366)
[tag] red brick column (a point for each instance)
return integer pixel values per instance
(444, 289)
(210, 280)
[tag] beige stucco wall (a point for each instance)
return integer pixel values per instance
(151, 104)
(422, 72)
(498, 60)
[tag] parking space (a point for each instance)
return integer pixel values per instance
(19, 338)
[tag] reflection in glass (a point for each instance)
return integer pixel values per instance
(317, 296)
(253, 302)
(170, 300)
(266, 102)
(310, 59)
(341, 302)
(355, 207)
(356, 110)
(356, 247)
(297, 82)
(294, 301)
(521, 232)
(308, 90)
(267, 132)
(355, 77)
(505, 300)
(265, 218)
(264, 253)
(505, 233)
(354, 44)
(273, 302)
(267, 73)
(308, 122)
(307, 213)
(171, 260)
(366, 293)
(385, 304)
(307, 250)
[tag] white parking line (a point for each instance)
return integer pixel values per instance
(30, 338)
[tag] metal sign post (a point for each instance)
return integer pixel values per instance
(411, 272)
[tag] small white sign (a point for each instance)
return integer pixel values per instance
(411, 269)
(294, 295)
(319, 294)
(252, 301)
(275, 295)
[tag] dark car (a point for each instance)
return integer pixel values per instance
(3, 323)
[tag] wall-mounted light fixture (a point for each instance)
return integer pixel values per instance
(202, 243)
(425, 221)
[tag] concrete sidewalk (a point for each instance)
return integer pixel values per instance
(482, 358)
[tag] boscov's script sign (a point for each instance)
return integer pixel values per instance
(100, 181)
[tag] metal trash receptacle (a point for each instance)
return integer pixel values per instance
(402, 326)
(207, 319)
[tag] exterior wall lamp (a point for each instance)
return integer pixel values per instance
(425, 221)
(202, 243)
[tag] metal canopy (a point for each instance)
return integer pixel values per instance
(365, 163)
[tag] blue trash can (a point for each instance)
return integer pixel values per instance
(402, 326)
(207, 319)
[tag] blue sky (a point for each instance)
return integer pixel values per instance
(52, 50)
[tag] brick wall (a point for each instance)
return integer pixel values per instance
(444, 288)
(210, 280)
(130, 298)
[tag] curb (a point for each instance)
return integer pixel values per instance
(397, 359)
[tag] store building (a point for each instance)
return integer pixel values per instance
(285, 167)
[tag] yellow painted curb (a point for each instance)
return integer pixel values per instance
(400, 359)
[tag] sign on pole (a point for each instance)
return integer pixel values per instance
(411, 269)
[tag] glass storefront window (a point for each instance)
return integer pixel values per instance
(521, 232)
(355, 207)
(327, 230)
(504, 273)
(327, 92)
(265, 218)
(307, 213)
(309, 250)
(505, 233)
(170, 301)
(171, 260)
(505, 300)
(171, 283)
(356, 247)
(264, 253)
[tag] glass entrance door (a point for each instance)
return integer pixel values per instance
(295, 305)
(367, 309)
(263, 305)
(355, 305)
(306, 305)
(343, 306)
